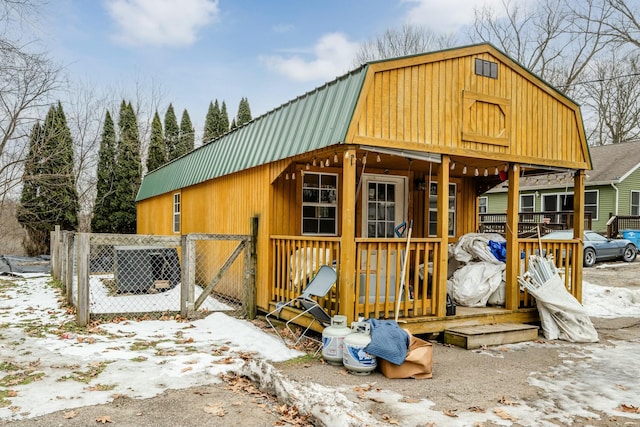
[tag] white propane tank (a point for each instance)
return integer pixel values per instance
(354, 358)
(333, 339)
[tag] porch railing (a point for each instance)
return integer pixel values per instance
(296, 260)
(566, 257)
(378, 277)
(528, 222)
(617, 223)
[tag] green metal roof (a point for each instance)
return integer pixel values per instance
(317, 119)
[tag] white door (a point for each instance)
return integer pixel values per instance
(384, 204)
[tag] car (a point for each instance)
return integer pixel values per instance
(599, 248)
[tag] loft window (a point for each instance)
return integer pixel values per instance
(486, 68)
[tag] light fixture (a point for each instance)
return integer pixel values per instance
(335, 157)
(476, 173)
(314, 161)
(321, 164)
(377, 158)
(497, 171)
(506, 167)
(307, 166)
(515, 167)
(453, 165)
(486, 172)
(293, 176)
(287, 176)
(327, 162)
(464, 170)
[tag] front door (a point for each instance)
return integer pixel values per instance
(384, 201)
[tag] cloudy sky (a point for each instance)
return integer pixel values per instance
(196, 51)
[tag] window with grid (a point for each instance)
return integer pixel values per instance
(176, 213)
(635, 203)
(433, 209)
(483, 204)
(320, 204)
(591, 203)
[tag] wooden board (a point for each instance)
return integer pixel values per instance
(471, 337)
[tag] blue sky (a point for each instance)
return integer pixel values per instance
(197, 51)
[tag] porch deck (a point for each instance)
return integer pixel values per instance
(377, 281)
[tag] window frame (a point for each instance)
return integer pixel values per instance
(433, 209)
(176, 213)
(637, 205)
(484, 205)
(533, 204)
(319, 204)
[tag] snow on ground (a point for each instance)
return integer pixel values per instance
(47, 365)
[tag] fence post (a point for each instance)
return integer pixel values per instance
(250, 256)
(186, 277)
(54, 248)
(62, 253)
(69, 258)
(82, 315)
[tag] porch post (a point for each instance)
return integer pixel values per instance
(440, 291)
(346, 287)
(512, 290)
(578, 232)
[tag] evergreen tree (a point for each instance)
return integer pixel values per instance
(233, 124)
(216, 120)
(171, 132)
(128, 171)
(29, 211)
(187, 137)
(105, 184)
(224, 119)
(157, 148)
(49, 196)
(244, 112)
(209, 132)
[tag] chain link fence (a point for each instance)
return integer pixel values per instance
(123, 275)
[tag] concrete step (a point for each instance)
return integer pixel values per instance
(471, 337)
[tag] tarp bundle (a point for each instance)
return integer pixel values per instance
(561, 315)
(24, 265)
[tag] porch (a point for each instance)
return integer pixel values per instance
(377, 280)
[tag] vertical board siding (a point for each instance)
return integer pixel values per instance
(420, 104)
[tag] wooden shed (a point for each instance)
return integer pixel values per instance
(333, 172)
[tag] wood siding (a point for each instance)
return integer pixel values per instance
(436, 103)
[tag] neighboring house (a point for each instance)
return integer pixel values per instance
(331, 173)
(611, 188)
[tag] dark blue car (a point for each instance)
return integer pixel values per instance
(599, 248)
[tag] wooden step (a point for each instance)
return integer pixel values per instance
(470, 337)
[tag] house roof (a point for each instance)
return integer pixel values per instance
(612, 163)
(317, 119)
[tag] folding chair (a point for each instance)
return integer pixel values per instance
(319, 286)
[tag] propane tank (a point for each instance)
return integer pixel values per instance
(333, 339)
(354, 358)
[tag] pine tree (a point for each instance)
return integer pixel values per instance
(171, 132)
(187, 137)
(209, 132)
(105, 185)
(128, 171)
(233, 124)
(224, 119)
(29, 211)
(49, 196)
(244, 112)
(157, 148)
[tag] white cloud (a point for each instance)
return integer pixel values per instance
(161, 22)
(447, 16)
(331, 56)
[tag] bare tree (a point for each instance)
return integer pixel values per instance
(624, 23)
(555, 39)
(27, 80)
(408, 40)
(612, 94)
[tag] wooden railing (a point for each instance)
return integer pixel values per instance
(528, 222)
(617, 223)
(296, 260)
(378, 278)
(566, 256)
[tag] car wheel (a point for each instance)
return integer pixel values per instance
(629, 254)
(589, 257)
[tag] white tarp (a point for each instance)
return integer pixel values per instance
(473, 283)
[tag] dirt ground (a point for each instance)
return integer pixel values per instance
(462, 379)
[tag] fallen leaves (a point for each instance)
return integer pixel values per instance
(104, 419)
(215, 409)
(504, 415)
(70, 414)
(450, 413)
(628, 409)
(504, 401)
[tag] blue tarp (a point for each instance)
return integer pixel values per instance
(499, 250)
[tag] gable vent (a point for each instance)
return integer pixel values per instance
(486, 68)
